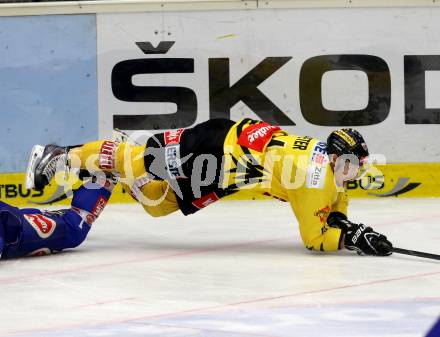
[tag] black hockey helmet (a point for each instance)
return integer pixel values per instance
(350, 142)
(347, 141)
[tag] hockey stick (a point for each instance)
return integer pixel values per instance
(416, 253)
(124, 136)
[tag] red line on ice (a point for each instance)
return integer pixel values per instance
(265, 299)
(222, 306)
(104, 302)
(24, 278)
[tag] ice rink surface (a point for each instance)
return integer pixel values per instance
(235, 269)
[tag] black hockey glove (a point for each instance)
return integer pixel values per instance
(359, 237)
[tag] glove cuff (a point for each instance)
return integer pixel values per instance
(339, 220)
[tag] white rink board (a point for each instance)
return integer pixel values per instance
(236, 269)
(248, 37)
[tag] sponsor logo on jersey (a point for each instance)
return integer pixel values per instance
(173, 162)
(172, 136)
(318, 158)
(257, 136)
(205, 200)
(107, 155)
(99, 206)
(317, 166)
(315, 177)
(323, 213)
(43, 225)
(172, 153)
(90, 217)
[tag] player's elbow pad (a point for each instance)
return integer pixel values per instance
(76, 231)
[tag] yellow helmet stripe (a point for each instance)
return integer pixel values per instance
(345, 136)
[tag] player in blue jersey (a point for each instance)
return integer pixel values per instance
(30, 231)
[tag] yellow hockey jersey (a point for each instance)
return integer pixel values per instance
(266, 160)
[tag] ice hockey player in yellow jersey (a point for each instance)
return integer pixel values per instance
(188, 169)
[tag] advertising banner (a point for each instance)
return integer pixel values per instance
(392, 180)
(309, 70)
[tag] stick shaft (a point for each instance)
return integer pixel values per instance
(416, 253)
(126, 135)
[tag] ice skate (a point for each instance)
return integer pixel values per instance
(44, 162)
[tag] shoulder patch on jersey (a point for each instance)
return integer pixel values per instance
(172, 136)
(43, 225)
(257, 136)
(317, 166)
